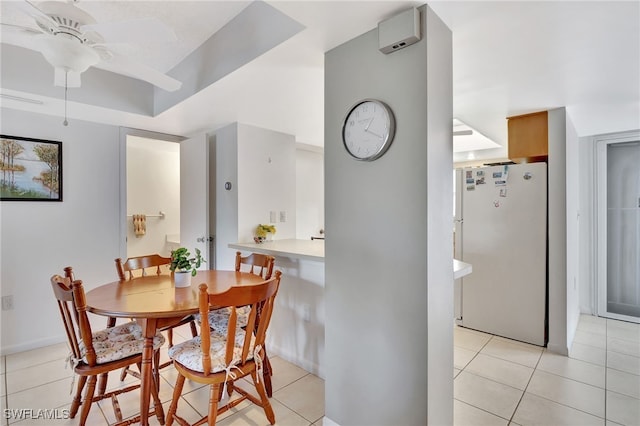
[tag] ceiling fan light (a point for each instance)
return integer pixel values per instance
(68, 54)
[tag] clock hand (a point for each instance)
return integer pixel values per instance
(373, 133)
(366, 128)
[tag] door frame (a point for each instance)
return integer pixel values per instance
(600, 159)
(124, 133)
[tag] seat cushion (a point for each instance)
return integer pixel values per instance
(119, 342)
(219, 318)
(189, 353)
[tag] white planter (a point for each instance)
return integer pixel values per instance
(182, 279)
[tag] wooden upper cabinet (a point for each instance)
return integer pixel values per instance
(528, 137)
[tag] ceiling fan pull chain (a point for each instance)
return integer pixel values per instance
(66, 75)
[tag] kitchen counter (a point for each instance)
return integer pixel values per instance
(292, 248)
(296, 332)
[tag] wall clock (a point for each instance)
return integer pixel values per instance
(368, 129)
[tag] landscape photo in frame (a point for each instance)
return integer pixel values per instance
(30, 169)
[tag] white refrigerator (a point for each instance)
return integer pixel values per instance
(500, 226)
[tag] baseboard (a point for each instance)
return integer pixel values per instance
(305, 364)
(326, 421)
(34, 344)
(558, 349)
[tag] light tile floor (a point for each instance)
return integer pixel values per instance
(496, 382)
(503, 382)
(39, 379)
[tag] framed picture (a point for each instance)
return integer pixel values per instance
(30, 169)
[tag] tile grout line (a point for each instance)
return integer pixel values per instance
(479, 408)
(606, 362)
(6, 388)
(524, 391)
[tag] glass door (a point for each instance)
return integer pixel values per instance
(619, 229)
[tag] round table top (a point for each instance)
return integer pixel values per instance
(155, 296)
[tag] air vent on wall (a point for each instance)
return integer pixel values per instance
(400, 31)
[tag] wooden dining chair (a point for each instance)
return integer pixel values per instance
(142, 266)
(95, 354)
(254, 263)
(220, 360)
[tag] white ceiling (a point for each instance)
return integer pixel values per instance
(509, 58)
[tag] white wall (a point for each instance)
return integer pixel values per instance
(309, 192)
(557, 269)
(587, 199)
(573, 230)
(153, 185)
(38, 239)
(266, 181)
(260, 164)
(389, 281)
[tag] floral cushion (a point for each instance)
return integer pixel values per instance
(189, 353)
(219, 318)
(119, 342)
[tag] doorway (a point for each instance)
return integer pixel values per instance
(149, 162)
(153, 196)
(618, 195)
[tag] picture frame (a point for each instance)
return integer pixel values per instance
(30, 169)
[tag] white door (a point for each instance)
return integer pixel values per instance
(194, 196)
(619, 228)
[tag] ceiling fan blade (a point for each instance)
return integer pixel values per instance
(38, 14)
(133, 31)
(17, 35)
(73, 78)
(123, 65)
(21, 28)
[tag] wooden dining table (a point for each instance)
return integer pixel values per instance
(154, 302)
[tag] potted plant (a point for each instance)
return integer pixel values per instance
(263, 233)
(184, 266)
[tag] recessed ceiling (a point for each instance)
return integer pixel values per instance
(509, 58)
(466, 138)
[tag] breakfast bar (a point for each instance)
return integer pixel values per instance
(296, 332)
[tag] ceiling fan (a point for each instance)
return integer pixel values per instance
(71, 40)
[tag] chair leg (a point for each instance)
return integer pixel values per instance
(102, 383)
(177, 392)
(214, 397)
(266, 405)
(88, 399)
(267, 372)
(77, 399)
(170, 337)
(157, 405)
(194, 330)
(123, 374)
(156, 369)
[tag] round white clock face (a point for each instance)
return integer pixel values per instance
(368, 129)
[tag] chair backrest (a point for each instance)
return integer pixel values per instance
(256, 263)
(259, 297)
(73, 309)
(140, 263)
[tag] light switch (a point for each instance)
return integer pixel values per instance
(272, 216)
(283, 216)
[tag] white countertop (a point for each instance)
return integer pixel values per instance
(314, 250)
(460, 269)
(300, 249)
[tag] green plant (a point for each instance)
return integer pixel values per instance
(181, 261)
(263, 230)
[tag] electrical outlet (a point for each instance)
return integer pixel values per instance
(7, 303)
(283, 216)
(272, 216)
